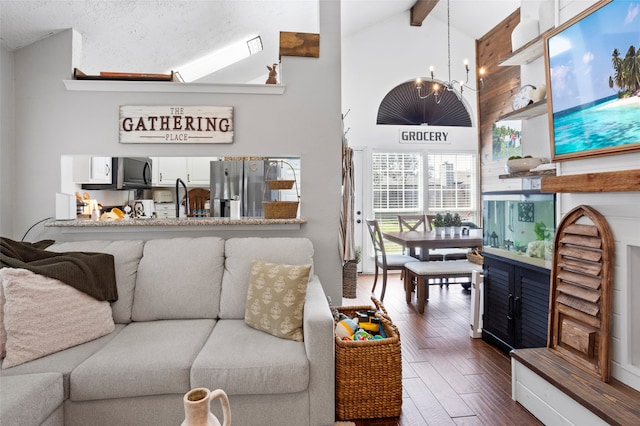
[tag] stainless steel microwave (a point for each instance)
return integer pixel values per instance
(127, 173)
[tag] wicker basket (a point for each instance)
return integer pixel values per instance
(475, 256)
(280, 184)
(349, 280)
(280, 209)
(369, 372)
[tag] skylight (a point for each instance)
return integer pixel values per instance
(219, 59)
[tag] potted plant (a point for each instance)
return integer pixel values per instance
(457, 224)
(448, 223)
(350, 275)
(438, 224)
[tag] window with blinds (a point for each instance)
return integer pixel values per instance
(402, 185)
(452, 185)
(398, 188)
(397, 183)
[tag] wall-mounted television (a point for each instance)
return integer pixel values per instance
(593, 82)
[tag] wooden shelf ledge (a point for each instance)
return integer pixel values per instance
(614, 402)
(620, 181)
(527, 53)
(520, 175)
(530, 111)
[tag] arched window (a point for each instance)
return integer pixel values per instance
(402, 106)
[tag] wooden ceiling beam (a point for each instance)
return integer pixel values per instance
(420, 10)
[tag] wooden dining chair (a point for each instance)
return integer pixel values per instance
(393, 262)
(420, 223)
(412, 222)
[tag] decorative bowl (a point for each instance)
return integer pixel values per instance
(522, 164)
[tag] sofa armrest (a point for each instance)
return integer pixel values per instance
(319, 343)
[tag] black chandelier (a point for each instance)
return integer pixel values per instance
(438, 87)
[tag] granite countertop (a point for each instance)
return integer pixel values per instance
(204, 221)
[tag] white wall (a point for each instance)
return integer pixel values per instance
(6, 140)
(51, 121)
(376, 60)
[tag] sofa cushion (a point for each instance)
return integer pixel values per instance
(43, 315)
(126, 256)
(275, 299)
(240, 252)
(146, 358)
(64, 361)
(179, 278)
(245, 361)
(29, 399)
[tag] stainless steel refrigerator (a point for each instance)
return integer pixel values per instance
(241, 180)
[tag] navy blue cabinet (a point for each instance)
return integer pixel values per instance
(516, 303)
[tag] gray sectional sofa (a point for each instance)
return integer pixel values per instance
(179, 324)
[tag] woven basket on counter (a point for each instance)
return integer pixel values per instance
(281, 209)
(475, 256)
(369, 372)
(280, 184)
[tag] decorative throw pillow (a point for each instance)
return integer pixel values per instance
(43, 315)
(275, 300)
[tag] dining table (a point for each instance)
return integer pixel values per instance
(426, 240)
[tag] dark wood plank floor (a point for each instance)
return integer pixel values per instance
(448, 377)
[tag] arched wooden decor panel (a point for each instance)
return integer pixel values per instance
(402, 106)
(582, 291)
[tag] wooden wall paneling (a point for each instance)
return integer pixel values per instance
(499, 87)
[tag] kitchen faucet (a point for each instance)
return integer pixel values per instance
(186, 196)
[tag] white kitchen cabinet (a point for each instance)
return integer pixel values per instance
(170, 169)
(90, 169)
(194, 171)
(101, 171)
(199, 171)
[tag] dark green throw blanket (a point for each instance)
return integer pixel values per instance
(91, 273)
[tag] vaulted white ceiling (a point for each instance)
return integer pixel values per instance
(157, 36)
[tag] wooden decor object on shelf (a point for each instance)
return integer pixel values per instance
(299, 44)
(124, 76)
(580, 301)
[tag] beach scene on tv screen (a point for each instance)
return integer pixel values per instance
(594, 69)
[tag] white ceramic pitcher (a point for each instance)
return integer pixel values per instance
(197, 408)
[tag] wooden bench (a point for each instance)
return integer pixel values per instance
(419, 273)
(560, 393)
